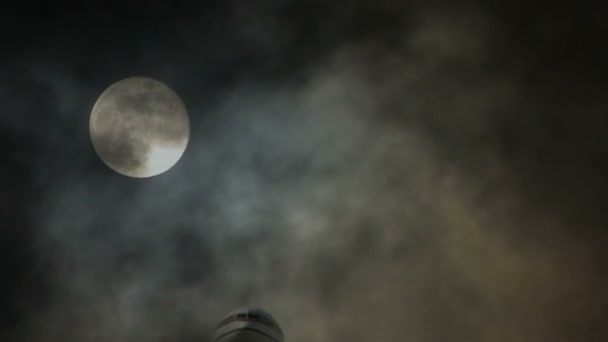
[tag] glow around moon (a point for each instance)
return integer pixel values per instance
(139, 127)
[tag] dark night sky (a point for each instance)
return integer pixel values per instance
(365, 170)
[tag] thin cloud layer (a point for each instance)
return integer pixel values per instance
(373, 184)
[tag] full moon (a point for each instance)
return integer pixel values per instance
(139, 127)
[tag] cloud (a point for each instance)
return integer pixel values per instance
(370, 195)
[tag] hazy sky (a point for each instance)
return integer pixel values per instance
(364, 170)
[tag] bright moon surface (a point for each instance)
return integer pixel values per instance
(139, 127)
(160, 156)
